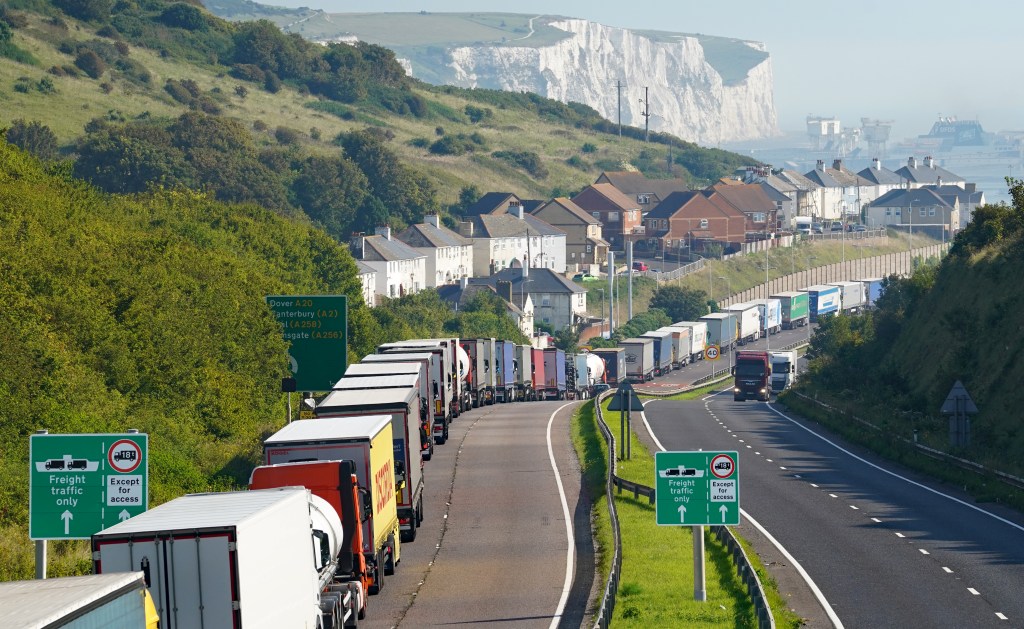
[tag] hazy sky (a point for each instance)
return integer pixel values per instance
(905, 60)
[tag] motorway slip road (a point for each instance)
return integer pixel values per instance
(886, 547)
(493, 547)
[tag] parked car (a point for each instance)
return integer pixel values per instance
(640, 266)
(860, 228)
(583, 277)
(816, 228)
(837, 226)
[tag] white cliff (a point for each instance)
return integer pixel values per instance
(688, 97)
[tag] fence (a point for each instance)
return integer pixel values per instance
(765, 620)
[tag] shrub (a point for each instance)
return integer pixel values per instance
(23, 84)
(90, 63)
(315, 133)
(34, 137)
(476, 114)
(86, 9)
(109, 32)
(527, 160)
(248, 72)
(259, 125)
(134, 71)
(46, 86)
(272, 84)
(287, 135)
(240, 91)
(122, 48)
(14, 20)
(106, 87)
(186, 16)
(178, 92)
(589, 147)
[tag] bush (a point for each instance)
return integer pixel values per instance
(527, 160)
(287, 135)
(589, 147)
(186, 16)
(109, 32)
(87, 10)
(272, 84)
(241, 91)
(12, 19)
(476, 114)
(248, 72)
(179, 92)
(259, 125)
(34, 137)
(90, 63)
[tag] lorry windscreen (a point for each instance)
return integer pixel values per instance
(747, 370)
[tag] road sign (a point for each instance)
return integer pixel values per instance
(82, 484)
(317, 328)
(697, 488)
(712, 352)
(625, 399)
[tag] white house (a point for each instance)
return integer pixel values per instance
(842, 192)
(400, 269)
(498, 239)
(449, 255)
(917, 209)
(368, 282)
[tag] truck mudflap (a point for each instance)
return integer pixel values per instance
(440, 431)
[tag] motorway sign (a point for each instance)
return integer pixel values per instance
(712, 352)
(697, 488)
(82, 484)
(317, 328)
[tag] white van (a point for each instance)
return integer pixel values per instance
(802, 224)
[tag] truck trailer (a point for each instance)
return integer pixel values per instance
(822, 300)
(748, 322)
(614, 364)
(721, 329)
(441, 389)
(504, 362)
(851, 296)
(554, 373)
(771, 315)
(639, 355)
(680, 345)
(698, 337)
(795, 312)
(397, 381)
(663, 351)
(538, 374)
(367, 442)
(872, 290)
(753, 373)
(244, 559)
(524, 372)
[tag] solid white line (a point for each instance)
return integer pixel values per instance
(571, 551)
(814, 485)
(894, 474)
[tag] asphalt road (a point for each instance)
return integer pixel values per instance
(493, 547)
(886, 547)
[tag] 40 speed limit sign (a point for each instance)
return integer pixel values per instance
(712, 352)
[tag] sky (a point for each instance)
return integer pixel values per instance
(904, 60)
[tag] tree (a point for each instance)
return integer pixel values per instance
(34, 137)
(91, 63)
(680, 303)
(86, 9)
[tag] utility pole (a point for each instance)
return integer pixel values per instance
(629, 283)
(619, 85)
(646, 113)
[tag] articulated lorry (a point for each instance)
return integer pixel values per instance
(771, 315)
(753, 373)
(614, 364)
(505, 376)
(244, 559)
(402, 406)
(680, 345)
(748, 322)
(394, 380)
(822, 300)
(872, 290)
(663, 351)
(367, 442)
(698, 337)
(524, 372)
(851, 296)
(722, 329)
(441, 391)
(554, 373)
(639, 355)
(783, 369)
(795, 312)
(538, 374)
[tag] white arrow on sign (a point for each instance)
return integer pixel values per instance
(67, 516)
(723, 510)
(682, 513)
(124, 515)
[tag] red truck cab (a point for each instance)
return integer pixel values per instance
(753, 373)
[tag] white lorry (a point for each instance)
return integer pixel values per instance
(246, 559)
(783, 369)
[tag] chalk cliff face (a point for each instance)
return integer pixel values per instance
(687, 96)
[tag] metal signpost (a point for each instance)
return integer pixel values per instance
(697, 489)
(317, 328)
(624, 400)
(82, 484)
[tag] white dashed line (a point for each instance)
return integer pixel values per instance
(748, 447)
(948, 570)
(876, 520)
(781, 467)
(1001, 616)
(974, 592)
(797, 476)
(813, 485)
(833, 496)
(923, 551)
(742, 441)
(900, 535)
(757, 453)
(855, 507)
(769, 460)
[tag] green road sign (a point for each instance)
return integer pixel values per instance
(697, 488)
(317, 328)
(81, 484)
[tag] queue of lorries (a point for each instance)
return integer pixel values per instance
(325, 516)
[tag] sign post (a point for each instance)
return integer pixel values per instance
(317, 328)
(624, 400)
(82, 484)
(697, 489)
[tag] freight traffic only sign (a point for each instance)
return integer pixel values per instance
(317, 328)
(82, 484)
(697, 488)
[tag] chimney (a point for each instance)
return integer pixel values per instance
(820, 165)
(516, 210)
(837, 164)
(938, 182)
(877, 165)
(912, 162)
(383, 230)
(466, 229)
(464, 282)
(432, 219)
(505, 290)
(526, 262)
(971, 187)
(929, 162)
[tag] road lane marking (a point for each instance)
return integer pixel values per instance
(973, 591)
(894, 474)
(1001, 616)
(855, 507)
(571, 550)
(813, 485)
(833, 496)
(923, 551)
(900, 535)
(769, 460)
(948, 570)
(781, 467)
(876, 520)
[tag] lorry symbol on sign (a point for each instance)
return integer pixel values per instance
(125, 455)
(723, 466)
(67, 463)
(682, 470)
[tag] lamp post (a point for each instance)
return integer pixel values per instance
(728, 286)
(601, 290)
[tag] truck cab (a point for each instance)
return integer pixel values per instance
(753, 373)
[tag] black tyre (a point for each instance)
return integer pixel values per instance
(377, 573)
(389, 555)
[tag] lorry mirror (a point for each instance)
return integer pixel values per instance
(399, 468)
(733, 371)
(367, 504)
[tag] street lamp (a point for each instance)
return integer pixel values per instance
(601, 290)
(728, 287)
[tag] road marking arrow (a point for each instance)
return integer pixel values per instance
(682, 513)
(723, 510)
(67, 516)
(124, 515)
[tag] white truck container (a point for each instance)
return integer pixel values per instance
(851, 295)
(872, 290)
(771, 315)
(396, 380)
(243, 559)
(449, 366)
(402, 405)
(783, 369)
(698, 337)
(439, 399)
(680, 345)
(639, 356)
(748, 322)
(524, 372)
(664, 350)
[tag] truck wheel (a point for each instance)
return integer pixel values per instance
(419, 512)
(389, 555)
(377, 573)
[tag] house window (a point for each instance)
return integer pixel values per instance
(758, 217)
(703, 223)
(931, 211)
(888, 211)
(545, 302)
(896, 211)
(613, 217)
(596, 215)
(921, 211)
(643, 199)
